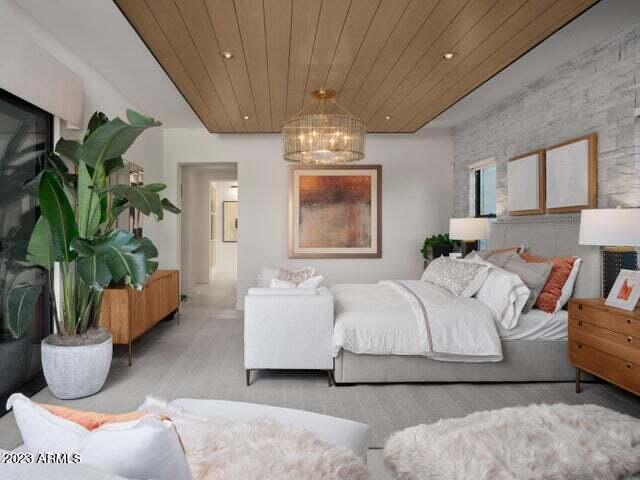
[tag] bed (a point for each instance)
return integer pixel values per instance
(536, 350)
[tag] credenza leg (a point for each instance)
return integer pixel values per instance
(130, 352)
(329, 379)
(578, 384)
(248, 372)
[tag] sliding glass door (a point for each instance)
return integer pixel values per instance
(25, 141)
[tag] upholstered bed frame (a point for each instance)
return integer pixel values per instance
(524, 360)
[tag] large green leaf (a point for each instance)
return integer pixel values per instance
(94, 271)
(59, 214)
(170, 207)
(113, 164)
(19, 307)
(97, 120)
(69, 148)
(150, 251)
(155, 187)
(89, 208)
(125, 264)
(40, 246)
(113, 139)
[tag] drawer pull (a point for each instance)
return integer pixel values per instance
(629, 321)
(629, 339)
(580, 346)
(580, 306)
(628, 365)
(579, 323)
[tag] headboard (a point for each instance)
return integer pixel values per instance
(551, 236)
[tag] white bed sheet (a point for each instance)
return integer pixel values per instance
(412, 317)
(538, 325)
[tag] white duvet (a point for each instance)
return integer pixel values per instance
(412, 317)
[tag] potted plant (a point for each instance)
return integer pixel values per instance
(439, 245)
(76, 232)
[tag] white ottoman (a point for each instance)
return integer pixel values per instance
(288, 328)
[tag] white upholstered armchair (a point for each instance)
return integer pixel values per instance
(288, 328)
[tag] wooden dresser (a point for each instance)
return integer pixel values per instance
(128, 313)
(605, 342)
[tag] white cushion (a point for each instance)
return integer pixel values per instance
(567, 288)
(283, 291)
(313, 282)
(148, 448)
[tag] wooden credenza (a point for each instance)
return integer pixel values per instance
(605, 342)
(128, 313)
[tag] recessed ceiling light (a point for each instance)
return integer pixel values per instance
(227, 55)
(388, 117)
(449, 55)
(246, 117)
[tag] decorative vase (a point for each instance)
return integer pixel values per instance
(441, 250)
(76, 371)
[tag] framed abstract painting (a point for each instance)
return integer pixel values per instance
(335, 211)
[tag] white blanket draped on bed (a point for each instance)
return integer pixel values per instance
(412, 317)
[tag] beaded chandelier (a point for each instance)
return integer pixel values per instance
(323, 138)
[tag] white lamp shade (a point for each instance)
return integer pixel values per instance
(468, 229)
(611, 227)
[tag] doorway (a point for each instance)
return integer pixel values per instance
(209, 223)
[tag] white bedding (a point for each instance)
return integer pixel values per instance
(388, 318)
(538, 325)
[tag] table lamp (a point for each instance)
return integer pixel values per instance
(469, 231)
(616, 229)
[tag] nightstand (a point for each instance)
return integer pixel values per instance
(605, 342)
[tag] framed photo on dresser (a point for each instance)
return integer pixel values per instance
(526, 184)
(625, 292)
(572, 175)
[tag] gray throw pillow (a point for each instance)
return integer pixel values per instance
(534, 276)
(499, 259)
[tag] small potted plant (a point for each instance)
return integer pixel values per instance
(437, 245)
(76, 232)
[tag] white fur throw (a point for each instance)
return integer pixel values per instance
(550, 442)
(221, 449)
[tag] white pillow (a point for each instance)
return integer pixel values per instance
(504, 293)
(266, 275)
(269, 292)
(147, 448)
(567, 288)
(460, 277)
(277, 283)
(313, 282)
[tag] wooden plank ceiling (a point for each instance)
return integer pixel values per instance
(383, 57)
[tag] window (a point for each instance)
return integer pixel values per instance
(484, 187)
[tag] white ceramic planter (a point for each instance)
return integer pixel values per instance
(76, 371)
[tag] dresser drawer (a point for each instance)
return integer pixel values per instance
(605, 318)
(622, 346)
(623, 373)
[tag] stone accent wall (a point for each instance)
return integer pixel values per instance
(598, 91)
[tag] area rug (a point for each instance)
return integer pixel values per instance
(550, 442)
(222, 449)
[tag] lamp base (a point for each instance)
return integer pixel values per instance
(614, 260)
(468, 247)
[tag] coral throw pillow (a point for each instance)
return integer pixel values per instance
(90, 420)
(552, 290)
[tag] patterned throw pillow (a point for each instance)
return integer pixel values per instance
(552, 290)
(296, 276)
(460, 277)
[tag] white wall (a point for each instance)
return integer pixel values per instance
(416, 193)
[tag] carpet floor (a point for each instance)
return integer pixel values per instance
(202, 357)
